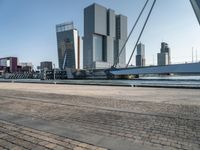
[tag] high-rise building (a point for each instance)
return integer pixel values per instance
(140, 57)
(68, 43)
(196, 7)
(104, 35)
(164, 57)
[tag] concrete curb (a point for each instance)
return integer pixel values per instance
(71, 82)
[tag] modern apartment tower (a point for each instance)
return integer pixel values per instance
(68, 43)
(104, 35)
(140, 57)
(164, 57)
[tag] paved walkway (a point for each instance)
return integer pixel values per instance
(17, 137)
(107, 122)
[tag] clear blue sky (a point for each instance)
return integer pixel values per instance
(27, 27)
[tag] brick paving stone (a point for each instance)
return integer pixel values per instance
(164, 125)
(78, 148)
(3, 148)
(18, 148)
(60, 148)
(50, 145)
(16, 137)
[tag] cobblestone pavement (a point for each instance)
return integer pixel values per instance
(180, 110)
(163, 125)
(16, 137)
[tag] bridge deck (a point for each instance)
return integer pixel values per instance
(189, 68)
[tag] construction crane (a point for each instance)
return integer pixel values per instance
(195, 5)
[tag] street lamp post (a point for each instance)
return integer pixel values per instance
(54, 72)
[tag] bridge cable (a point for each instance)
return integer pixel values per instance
(141, 32)
(122, 49)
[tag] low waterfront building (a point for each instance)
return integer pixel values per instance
(46, 65)
(26, 67)
(9, 64)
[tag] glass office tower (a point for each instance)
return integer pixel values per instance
(68, 43)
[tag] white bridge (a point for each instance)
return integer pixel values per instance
(190, 68)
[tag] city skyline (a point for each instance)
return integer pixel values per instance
(29, 29)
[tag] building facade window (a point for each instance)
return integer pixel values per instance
(98, 47)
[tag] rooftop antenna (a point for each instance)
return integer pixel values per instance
(153, 61)
(196, 56)
(192, 54)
